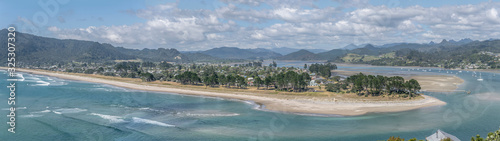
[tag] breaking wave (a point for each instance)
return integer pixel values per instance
(147, 121)
(112, 119)
(69, 110)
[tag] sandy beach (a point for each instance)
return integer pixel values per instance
(438, 83)
(301, 104)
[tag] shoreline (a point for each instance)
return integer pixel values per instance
(279, 103)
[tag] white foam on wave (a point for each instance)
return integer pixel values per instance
(69, 110)
(44, 80)
(109, 88)
(55, 112)
(31, 78)
(147, 121)
(255, 105)
(20, 75)
(30, 116)
(42, 83)
(144, 108)
(44, 111)
(150, 109)
(58, 83)
(208, 113)
(213, 115)
(103, 89)
(112, 119)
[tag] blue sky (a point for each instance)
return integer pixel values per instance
(204, 24)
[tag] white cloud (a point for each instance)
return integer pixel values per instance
(53, 29)
(288, 23)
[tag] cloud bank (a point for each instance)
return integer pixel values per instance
(293, 23)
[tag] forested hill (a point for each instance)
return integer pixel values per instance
(156, 55)
(41, 50)
(237, 53)
(300, 55)
(36, 50)
(477, 54)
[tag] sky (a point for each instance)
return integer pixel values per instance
(191, 25)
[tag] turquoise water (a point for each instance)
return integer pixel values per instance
(55, 109)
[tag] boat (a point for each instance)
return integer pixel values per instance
(480, 78)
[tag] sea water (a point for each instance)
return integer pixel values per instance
(50, 108)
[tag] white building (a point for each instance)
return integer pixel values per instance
(439, 135)
(313, 83)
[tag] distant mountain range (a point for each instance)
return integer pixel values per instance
(279, 50)
(33, 49)
(351, 47)
(443, 42)
(287, 50)
(237, 53)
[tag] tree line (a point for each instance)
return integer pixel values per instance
(379, 85)
(288, 81)
(322, 69)
(283, 81)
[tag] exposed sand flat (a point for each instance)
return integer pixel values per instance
(310, 105)
(438, 83)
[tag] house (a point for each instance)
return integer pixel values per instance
(250, 81)
(439, 135)
(313, 83)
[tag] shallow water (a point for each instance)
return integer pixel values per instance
(73, 110)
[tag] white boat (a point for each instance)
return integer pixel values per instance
(480, 78)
